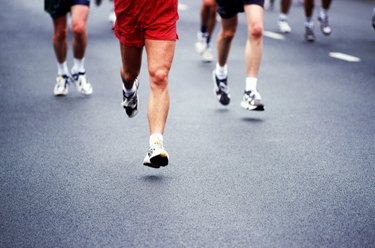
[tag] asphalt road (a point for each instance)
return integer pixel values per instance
(300, 174)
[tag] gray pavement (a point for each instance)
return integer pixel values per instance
(301, 174)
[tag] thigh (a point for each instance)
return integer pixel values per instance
(60, 24)
(79, 14)
(229, 25)
(131, 58)
(254, 14)
(159, 55)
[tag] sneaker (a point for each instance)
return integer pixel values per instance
(61, 87)
(156, 156)
(81, 82)
(324, 25)
(309, 34)
(284, 26)
(252, 100)
(201, 43)
(207, 54)
(112, 18)
(130, 103)
(221, 89)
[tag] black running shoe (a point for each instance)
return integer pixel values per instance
(309, 34)
(221, 89)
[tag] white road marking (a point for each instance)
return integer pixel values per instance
(182, 6)
(273, 35)
(345, 57)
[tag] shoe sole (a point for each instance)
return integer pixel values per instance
(64, 93)
(252, 108)
(61, 94)
(158, 161)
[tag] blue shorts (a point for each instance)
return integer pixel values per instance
(58, 8)
(230, 8)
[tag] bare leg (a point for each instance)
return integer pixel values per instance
(60, 43)
(159, 56)
(224, 39)
(208, 15)
(309, 7)
(131, 64)
(79, 19)
(326, 4)
(285, 6)
(254, 44)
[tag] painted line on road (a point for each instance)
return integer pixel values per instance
(345, 57)
(273, 35)
(182, 6)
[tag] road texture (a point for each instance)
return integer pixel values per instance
(300, 174)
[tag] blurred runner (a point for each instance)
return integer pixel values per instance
(58, 10)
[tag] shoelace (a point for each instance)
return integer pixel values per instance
(63, 82)
(253, 95)
(223, 87)
(324, 22)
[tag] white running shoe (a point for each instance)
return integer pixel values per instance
(252, 100)
(112, 18)
(207, 54)
(61, 86)
(81, 82)
(156, 156)
(284, 26)
(324, 25)
(203, 48)
(201, 43)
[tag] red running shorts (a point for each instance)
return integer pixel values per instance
(137, 20)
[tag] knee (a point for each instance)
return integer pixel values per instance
(228, 35)
(256, 32)
(60, 35)
(129, 76)
(79, 28)
(159, 78)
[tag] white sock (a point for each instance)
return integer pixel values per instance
(156, 138)
(130, 91)
(78, 65)
(309, 23)
(283, 16)
(323, 13)
(221, 71)
(62, 69)
(251, 84)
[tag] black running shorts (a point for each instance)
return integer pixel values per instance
(58, 8)
(229, 8)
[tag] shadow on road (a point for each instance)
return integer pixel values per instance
(154, 178)
(251, 119)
